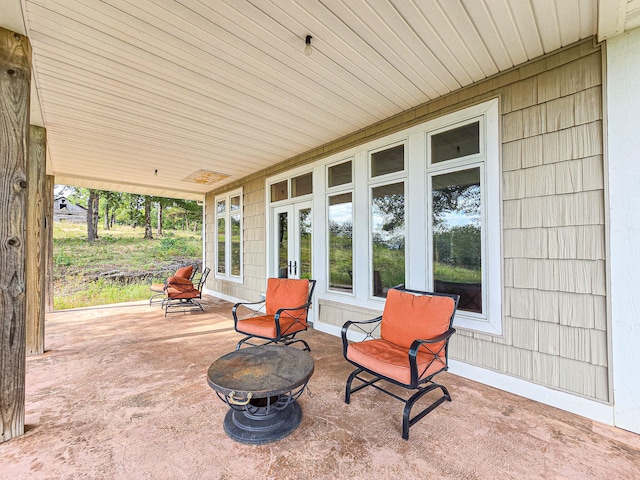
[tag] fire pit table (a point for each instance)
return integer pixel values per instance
(261, 385)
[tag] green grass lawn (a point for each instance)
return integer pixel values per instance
(80, 266)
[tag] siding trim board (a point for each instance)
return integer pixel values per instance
(554, 346)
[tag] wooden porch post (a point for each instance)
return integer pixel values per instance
(36, 240)
(15, 79)
(48, 246)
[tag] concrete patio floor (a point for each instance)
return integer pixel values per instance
(121, 393)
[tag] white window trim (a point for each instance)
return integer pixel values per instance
(227, 276)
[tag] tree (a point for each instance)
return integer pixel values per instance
(111, 202)
(147, 218)
(93, 204)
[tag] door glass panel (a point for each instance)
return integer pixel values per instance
(304, 217)
(302, 185)
(457, 237)
(220, 207)
(222, 266)
(340, 218)
(340, 174)
(282, 232)
(387, 161)
(388, 237)
(456, 143)
(279, 191)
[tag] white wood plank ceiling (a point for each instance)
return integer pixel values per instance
(128, 87)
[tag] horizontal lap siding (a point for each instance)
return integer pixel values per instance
(554, 268)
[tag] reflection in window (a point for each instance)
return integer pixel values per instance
(387, 237)
(340, 174)
(340, 228)
(222, 264)
(228, 257)
(456, 143)
(304, 224)
(457, 237)
(387, 161)
(302, 185)
(283, 244)
(279, 191)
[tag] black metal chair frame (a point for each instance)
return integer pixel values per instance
(161, 297)
(421, 385)
(281, 337)
(187, 304)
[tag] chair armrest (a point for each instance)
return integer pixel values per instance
(415, 346)
(356, 325)
(246, 305)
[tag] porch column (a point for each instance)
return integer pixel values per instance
(48, 246)
(36, 240)
(623, 118)
(15, 79)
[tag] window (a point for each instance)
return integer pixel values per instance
(300, 186)
(455, 143)
(457, 236)
(340, 228)
(229, 236)
(463, 223)
(387, 237)
(387, 161)
(340, 174)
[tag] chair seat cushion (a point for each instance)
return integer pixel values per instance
(391, 360)
(265, 326)
(157, 287)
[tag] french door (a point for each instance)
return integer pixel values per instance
(292, 241)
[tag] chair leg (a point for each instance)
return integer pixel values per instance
(407, 421)
(306, 348)
(347, 393)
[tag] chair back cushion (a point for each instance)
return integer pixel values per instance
(287, 293)
(408, 317)
(184, 272)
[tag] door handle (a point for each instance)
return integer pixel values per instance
(289, 267)
(295, 268)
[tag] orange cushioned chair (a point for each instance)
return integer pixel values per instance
(284, 314)
(415, 328)
(182, 294)
(160, 294)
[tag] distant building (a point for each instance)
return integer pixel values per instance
(66, 211)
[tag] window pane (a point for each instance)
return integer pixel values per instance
(304, 223)
(279, 191)
(235, 243)
(220, 207)
(340, 218)
(456, 143)
(222, 266)
(388, 235)
(387, 161)
(457, 237)
(340, 174)
(234, 203)
(302, 185)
